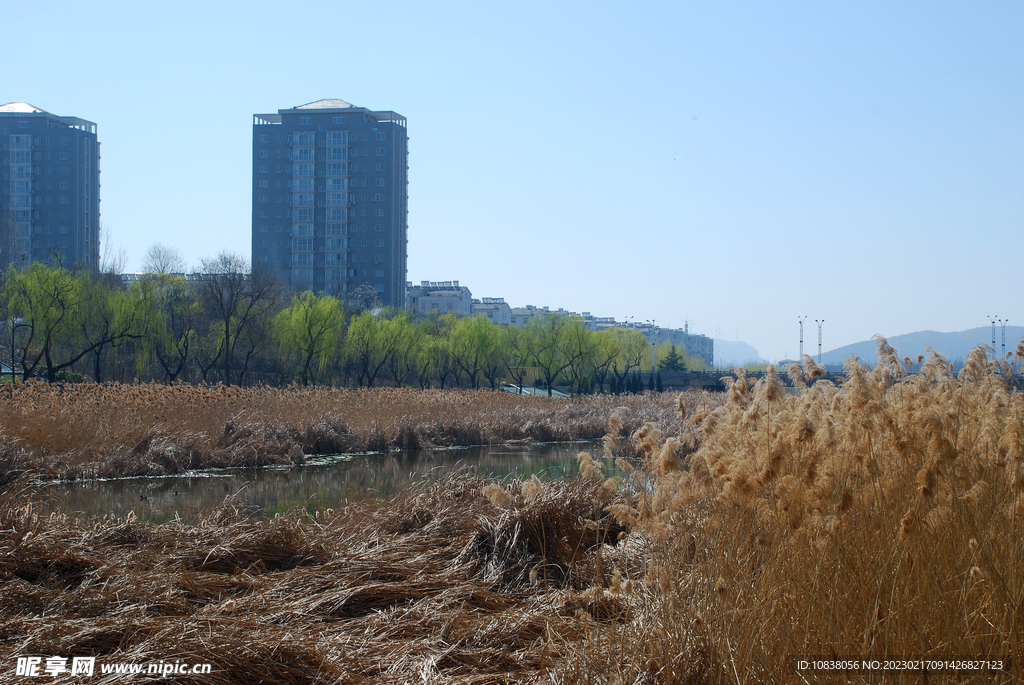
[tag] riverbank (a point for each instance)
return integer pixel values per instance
(105, 431)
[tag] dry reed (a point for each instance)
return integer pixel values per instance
(880, 518)
(79, 431)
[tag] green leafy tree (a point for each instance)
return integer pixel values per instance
(372, 341)
(578, 346)
(68, 316)
(547, 353)
(311, 328)
(474, 341)
(516, 350)
(177, 312)
(633, 350)
(409, 339)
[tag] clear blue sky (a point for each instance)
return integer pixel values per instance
(738, 164)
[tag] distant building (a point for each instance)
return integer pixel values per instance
(699, 346)
(329, 198)
(495, 309)
(443, 296)
(50, 199)
(522, 316)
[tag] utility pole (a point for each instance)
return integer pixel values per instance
(801, 320)
(1002, 327)
(992, 320)
(819, 337)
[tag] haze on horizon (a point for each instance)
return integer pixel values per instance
(732, 164)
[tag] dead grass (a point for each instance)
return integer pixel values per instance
(880, 518)
(80, 431)
(441, 586)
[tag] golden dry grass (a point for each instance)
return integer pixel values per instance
(881, 518)
(127, 430)
(440, 586)
(878, 518)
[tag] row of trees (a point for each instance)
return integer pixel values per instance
(237, 325)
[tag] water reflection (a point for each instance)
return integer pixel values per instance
(326, 484)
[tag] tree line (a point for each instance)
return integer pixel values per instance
(234, 324)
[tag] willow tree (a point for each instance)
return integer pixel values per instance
(311, 328)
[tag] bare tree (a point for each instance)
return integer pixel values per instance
(238, 298)
(113, 260)
(162, 259)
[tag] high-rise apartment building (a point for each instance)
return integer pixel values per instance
(49, 187)
(329, 198)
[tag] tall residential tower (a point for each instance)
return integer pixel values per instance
(49, 188)
(330, 197)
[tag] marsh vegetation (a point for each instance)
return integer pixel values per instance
(879, 517)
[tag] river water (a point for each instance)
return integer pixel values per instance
(327, 482)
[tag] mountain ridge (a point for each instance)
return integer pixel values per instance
(954, 346)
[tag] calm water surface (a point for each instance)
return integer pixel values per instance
(325, 483)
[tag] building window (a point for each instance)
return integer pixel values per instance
(380, 152)
(380, 167)
(379, 212)
(379, 228)
(378, 243)
(63, 141)
(322, 127)
(380, 136)
(277, 169)
(339, 120)
(305, 120)
(380, 182)
(264, 184)
(263, 229)
(263, 169)
(264, 139)
(263, 243)
(379, 273)
(63, 199)
(22, 124)
(264, 154)
(264, 198)
(278, 154)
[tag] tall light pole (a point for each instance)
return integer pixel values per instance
(1002, 328)
(14, 324)
(992, 320)
(801, 320)
(819, 337)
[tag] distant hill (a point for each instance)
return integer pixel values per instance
(735, 353)
(955, 346)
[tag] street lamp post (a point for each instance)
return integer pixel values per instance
(1002, 330)
(14, 324)
(992, 319)
(801, 320)
(819, 337)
